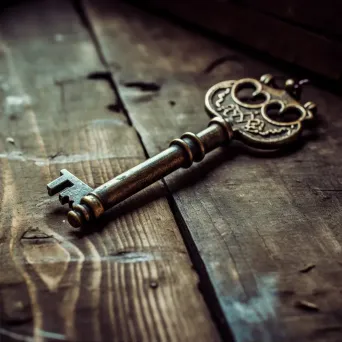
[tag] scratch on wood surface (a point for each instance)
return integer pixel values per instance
(133, 257)
(143, 86)
(15, 336)
(128, 258)
(115, 107)
(307, 268)
(35, 233)
(51, 335)
(217, 62)
(54, 155)
(306, 305)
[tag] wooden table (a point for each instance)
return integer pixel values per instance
(244, 246)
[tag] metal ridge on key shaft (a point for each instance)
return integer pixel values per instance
(234, 117)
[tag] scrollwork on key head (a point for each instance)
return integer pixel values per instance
(258, 119)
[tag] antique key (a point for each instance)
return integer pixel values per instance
(233, 117)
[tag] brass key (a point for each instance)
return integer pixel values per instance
(233, 117)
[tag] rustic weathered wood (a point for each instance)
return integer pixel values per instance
(255, 222)
(131, 278)
(260, 31)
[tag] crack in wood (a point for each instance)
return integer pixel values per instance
(307, 306)
(143, 85)
(307, 268)
(35, 234)
(219, 61)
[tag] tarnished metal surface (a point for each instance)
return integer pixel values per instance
(251, 121)
(233, 117)
(70, 188)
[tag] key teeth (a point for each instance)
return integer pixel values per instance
(57, 185)
(49, 190)
(74, 194)
(70, 188)
(64, 199)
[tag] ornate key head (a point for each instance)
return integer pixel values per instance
(250, 116)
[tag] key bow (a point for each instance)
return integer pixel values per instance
(250, 119)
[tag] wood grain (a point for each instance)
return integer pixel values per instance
(128, 278)
(253, 221)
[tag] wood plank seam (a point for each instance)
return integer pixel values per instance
(55, 284)
(208, 296)
(255, 221)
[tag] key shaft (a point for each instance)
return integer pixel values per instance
(181, 153)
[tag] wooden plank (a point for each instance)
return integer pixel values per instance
(324, 17)
(131, 278)
(254, 222)
(260, 31)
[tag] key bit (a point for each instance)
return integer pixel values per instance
(233, 117)
(70, 188)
